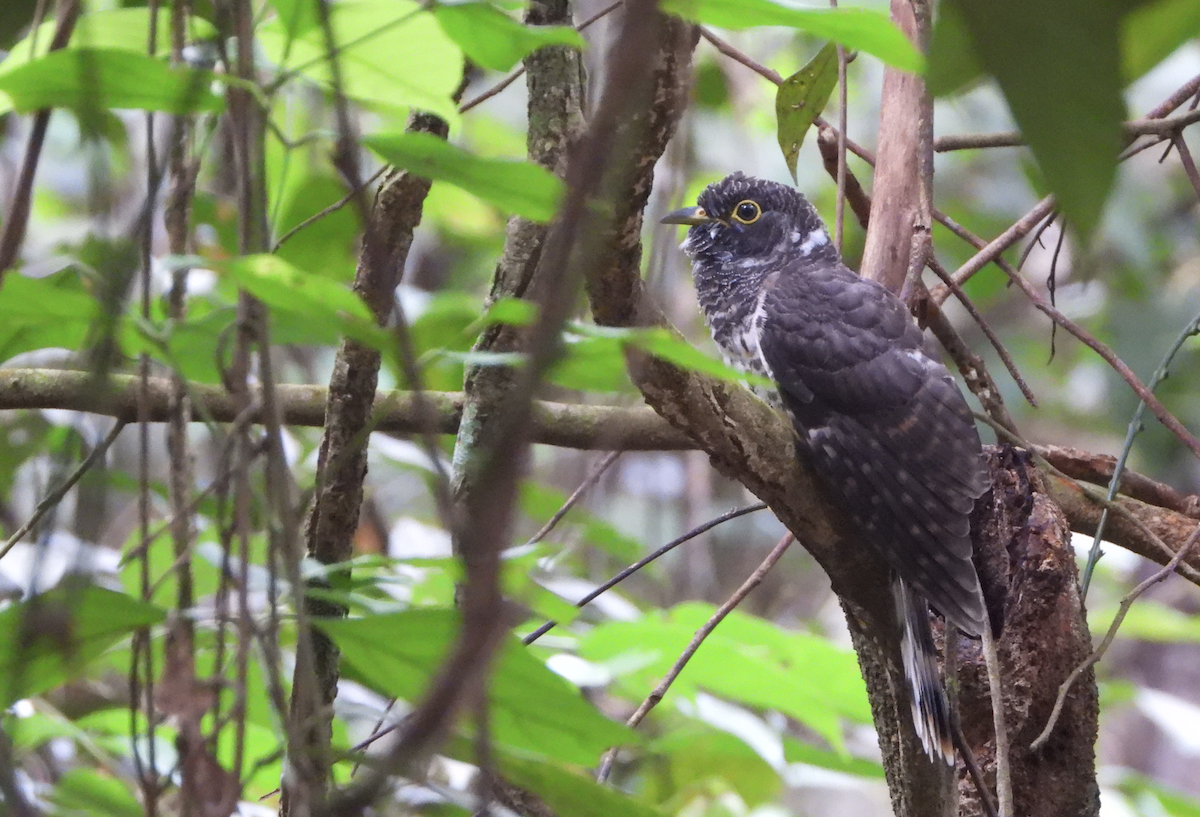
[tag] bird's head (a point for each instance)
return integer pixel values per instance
(743, 219)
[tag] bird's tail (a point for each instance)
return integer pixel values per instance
(930, 706)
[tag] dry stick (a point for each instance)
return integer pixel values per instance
(1098, 653)
(1150, 126)
(991, 251)
(1096, 495)
(1185, 158)
(17, 219)
(725, 609)
(1004, 790)
(993, 338)
(645, 560)
(1160, 411)
(515, 75)
(592, 478)
(55, 496)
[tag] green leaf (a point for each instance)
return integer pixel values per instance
(91, 792)
(571, 792)
(519, 187)
(494, 40)
(392, 54)
(801, 98)
(1149, 621)
(953, 65)
(595, 364)
(798, 674)
(663, 343)
(856, 28)
(697, 754)
(1058, 65)
(125, 29)
(532, 709)
(322, 309)
(1154, 31)
(95, 78)
(38, 313)
(327, 245)
(51, 638)
(795, 751)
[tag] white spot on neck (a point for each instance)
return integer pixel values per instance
(817, 238)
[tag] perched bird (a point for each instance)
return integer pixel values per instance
(883, 421)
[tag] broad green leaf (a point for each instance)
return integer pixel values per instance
(953, 65)
(519, 187)
(492, 39)
(595, 364)
(326, 246)
(1149, 621)
(39, 313)
(296, 16)
(51, 638)
(800, 675)
(392, 55)
(796, 751)
(663, 343)
(801, 98)
(1153, 31)
(856, 28)
(124, 29)
(96, 78)
(696, 754)
(1058, 65)
(320, 309)
(90, 791)
(572, 792)
(532, 709)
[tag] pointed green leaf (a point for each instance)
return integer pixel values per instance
(801, 675)
(96, 78)
(801, 98)
(1153, 31)
(518, 187)
(392, 54)
(1058, 65)
(51, 638)
(494, 40)
(856, 28)
(532, 709)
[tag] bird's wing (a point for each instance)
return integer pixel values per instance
(885, 423)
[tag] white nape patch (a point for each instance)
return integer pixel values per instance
(817, 238)
(795, 236)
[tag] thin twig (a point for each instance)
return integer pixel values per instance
(992, 250)
(17, 218)
(993, 338)
(1098, 653)
(1131, 432)
(725, 609)
(592, 478)
(55, 496)
(640, 563)
(1150, 126)
(333, 208)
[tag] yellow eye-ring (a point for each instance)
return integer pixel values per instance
(747, 212)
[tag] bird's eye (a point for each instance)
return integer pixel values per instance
(747, 212)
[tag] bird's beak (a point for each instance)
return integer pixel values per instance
(688, 215)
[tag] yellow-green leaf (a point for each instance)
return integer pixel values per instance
(801, 98)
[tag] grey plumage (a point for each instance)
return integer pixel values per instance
(883, 421)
